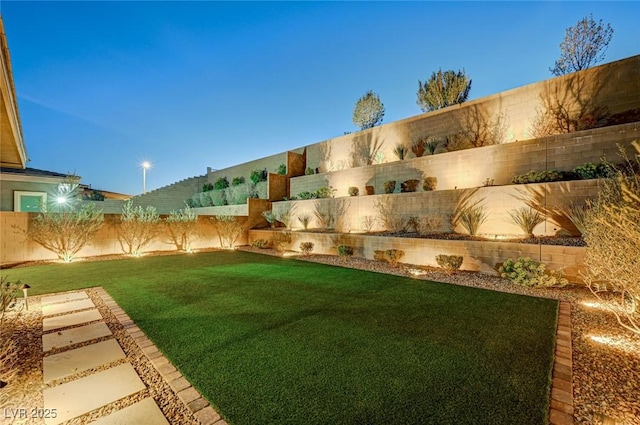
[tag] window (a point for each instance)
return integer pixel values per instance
(28, 201)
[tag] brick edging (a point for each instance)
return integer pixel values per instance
(192, 399)
(561, 408)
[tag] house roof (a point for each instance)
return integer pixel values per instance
(32, 172)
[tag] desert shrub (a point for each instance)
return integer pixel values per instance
(543, 176)
(221, 183)
(258, 176)
(378, 255)
(409, 185)
(449, 262)
(194, 201)
(282, 169)
(309, 171)
(325, 192)
(417, 148)
(204, 198)
(353, 191)
(429, 183)
(238, 194)
(229, 228)
(65, 233)
(590, 170)
(260, 243)
(389, 186)
(429, 224)
(390, 220)
(218, 197)
(260, 190)
(345, 251)
(472, 218)
(237, 181)
(393, 256)
(578, 215)
(183, 228)
(400, 151)
(286, 216)
(526, 218)
(431, 144)
(367, 222)
(306, 195)
(207, 187)
(281, 241)
(305, 220)
(138, 227)
(271, 217)
(306, 247)
(528, 272)
(324, 216)
(613, 248)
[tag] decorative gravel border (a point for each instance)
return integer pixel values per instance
(192, 399)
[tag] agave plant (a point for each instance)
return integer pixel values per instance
(400, 150)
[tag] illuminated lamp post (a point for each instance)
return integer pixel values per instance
(145, 166)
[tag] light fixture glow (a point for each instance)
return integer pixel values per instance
(145, 166)
(618, 342)
(61, 200)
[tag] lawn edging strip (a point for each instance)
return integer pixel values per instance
(561, 407)
(192, 399)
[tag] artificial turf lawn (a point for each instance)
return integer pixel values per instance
(279, 341)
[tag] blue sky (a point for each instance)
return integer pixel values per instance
(103, 86)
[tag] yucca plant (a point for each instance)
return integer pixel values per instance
(430, 145)
(578, 215)
(472, 218)
(526, 218)
(305, 220)
(400, 151)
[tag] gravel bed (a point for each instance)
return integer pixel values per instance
(606, 370)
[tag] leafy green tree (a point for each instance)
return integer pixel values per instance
(443, 89)
(584, 45)
(369, 111)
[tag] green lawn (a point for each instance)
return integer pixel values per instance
(279, 341)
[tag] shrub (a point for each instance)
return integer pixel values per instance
(612, 252)
(353, 191)
(472, 218)
(379, 255)
(305, 219)
(238, 194)
(430, 145)
(429, 224)
(207, 187)
(390, 220)
(138, 227)
(449, 262)
(237, 181)
(306, 247)
(389, 186)
(282, 169)
(260, 243)
(429, 183)
(258, 176)
(218, 197)
(229, 229)
(286, 216)
(578, 215)
(418, 148)
(345, 251)
(260, 190)
(309, 171)
(368, 221)
(325, 192)
(324, 216)
(527, 272)
(409, 185)
(393, 256)
(543, 176)
(221, 183)
(594, 171)
(400, 151)
(306, 195)
(65, 233)
(183, 227)
(270, 216)
(526, 218)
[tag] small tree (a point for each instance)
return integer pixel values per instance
(67, 232)
(229, 229)
(183, 226)
(369, 111)
(138, 227)
(443, 89)
(583, 46)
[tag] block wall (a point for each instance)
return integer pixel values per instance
(472, 167)
(478, 256)
(16, 247)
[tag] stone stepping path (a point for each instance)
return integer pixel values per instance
(74, 398)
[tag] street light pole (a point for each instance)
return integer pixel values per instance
(145, 167)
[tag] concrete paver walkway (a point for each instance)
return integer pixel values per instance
(70, 322)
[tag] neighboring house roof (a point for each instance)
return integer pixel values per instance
(32, 172)
(12, 147)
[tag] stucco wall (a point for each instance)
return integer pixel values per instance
(9, 186)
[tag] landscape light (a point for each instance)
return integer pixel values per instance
(24, 288)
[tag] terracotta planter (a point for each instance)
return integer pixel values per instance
(409, 185)
(369, 190)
